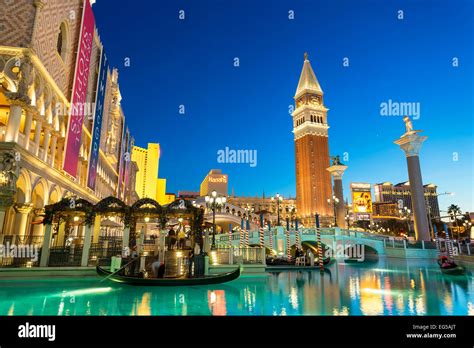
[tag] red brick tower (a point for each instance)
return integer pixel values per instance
(310, 127)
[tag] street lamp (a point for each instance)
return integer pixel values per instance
(278, 199)
(248, 211)
(213, 202)
(348, 220)
(334, 202)
(467, 227)
(291, 212)
(428, 205)
(405, 214)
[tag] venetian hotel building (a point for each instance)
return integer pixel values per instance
(51, 57)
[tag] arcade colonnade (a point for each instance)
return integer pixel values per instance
(87, 218)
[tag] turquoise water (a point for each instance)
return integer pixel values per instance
(388, 287)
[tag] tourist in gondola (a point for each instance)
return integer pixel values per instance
(190, 263)
(171, 238)
(444, 260)
(181, 239)
(158, 269)
(132, 262)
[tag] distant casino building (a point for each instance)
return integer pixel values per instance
(215, 181)
(148, 161)
(400, 194)
(385, 210)
(62, 126)
(147, 182)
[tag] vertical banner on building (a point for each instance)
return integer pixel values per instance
(123, 148)
(79, 91)
(128, 159)
(97, 126)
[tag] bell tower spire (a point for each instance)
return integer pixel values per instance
(310, 128)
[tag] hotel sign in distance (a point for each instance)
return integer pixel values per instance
(215, 181)
(361, 200)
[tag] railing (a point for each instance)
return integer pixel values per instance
(312, 232)
(20, 251)
(404, 244)
(20, 262)
(34, 240)
(100, 251)
(235, 256)
(65, 256)
(466, 249)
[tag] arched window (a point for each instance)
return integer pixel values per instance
(62, 41)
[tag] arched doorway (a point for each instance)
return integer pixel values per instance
(39, 198)
(67, 221)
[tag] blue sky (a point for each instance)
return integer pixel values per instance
(191, 62)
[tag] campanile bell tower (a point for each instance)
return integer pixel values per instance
(310, 128)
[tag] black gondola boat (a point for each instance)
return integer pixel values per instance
(214, 279)
(458, 270)
(454, 270)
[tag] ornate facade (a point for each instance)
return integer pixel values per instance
(267, 206)
(38, 41)
(310, 128)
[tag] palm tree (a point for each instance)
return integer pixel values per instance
(454, 211)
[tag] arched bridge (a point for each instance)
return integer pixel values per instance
(331, 237)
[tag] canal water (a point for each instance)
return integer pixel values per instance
(385, 287)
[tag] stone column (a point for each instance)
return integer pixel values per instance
(54, 141)
(337, 171)
(410, 143)
(28, 122)
(61, 234)
(38, 228)
(96, 233)
(87, 246)
(13, 126)
(46, 246)
(206, 244)
(21, 219)
(47, 137)
(2, 221)
(126, 237)
(37, 136)
(6, 201)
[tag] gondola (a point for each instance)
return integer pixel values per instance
(356, 261)
(456, 270)
(214, 279)
(353, 260)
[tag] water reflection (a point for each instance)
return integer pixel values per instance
(391, 287)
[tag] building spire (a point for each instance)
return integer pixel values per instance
(308, 81)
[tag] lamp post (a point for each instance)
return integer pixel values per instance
(334, 202)
(430, 218)
(278, 199)
(405, 214)
(291, 212)
(248, 211)
(213, 202)
(467, 227)
(348, 220)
